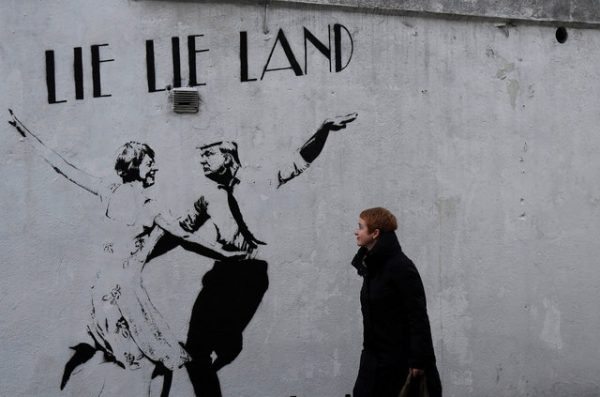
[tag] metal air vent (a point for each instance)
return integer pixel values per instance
(185, 100)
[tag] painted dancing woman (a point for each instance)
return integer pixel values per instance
(124, 324)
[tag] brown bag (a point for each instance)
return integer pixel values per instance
(422, 387)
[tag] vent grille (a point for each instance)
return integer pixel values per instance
(185, 100)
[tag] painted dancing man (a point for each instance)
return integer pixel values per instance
(233, 289)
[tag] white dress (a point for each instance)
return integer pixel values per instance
(124, 322)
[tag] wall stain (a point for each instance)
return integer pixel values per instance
(513, 91)
(498, 373)
(568, 389)
(504, 71)
(551, 334)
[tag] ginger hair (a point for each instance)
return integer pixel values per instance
(379, 218)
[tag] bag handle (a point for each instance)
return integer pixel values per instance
(423, 392)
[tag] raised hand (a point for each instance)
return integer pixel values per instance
(17, 124)
(339, 122)
(82, 179)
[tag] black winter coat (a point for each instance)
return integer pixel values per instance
(396, 326)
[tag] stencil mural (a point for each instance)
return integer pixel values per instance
(124, 326)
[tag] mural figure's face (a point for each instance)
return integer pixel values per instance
(213, 161)
(148, 170)
(365, 238)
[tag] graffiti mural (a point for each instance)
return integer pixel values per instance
(125, 327)
(233, 288)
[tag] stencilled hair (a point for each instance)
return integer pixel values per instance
(226, 147)
(129, 159)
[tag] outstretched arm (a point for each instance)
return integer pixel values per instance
(313, 147)
(88, 182)
(208, 248)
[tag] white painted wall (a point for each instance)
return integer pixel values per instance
(484, 145)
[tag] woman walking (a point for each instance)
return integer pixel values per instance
(397, 336)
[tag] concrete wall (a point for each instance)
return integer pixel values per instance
(482, 140)
(565, 11)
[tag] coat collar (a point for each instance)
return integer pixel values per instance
(386, 245)
(358, 263)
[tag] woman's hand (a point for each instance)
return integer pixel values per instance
(234, 255)
(416, 372)
(231, 252)
(15, 123)
(168, 225)
(213, 249)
